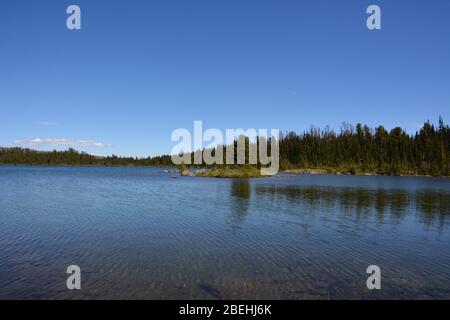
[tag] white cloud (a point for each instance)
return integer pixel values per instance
(36, 141)
(33, 142)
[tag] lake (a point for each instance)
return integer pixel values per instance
(137, 233)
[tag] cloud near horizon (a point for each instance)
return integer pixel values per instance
(59, 142)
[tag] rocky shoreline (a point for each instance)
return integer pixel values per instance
(348, 173)
(211, 173)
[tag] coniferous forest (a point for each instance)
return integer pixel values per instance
(21, 156)
(354, 149)
(375, 150)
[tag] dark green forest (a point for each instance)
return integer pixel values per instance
(359, 149)
(71, 157)
(354, 149)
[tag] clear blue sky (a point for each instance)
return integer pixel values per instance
(139, 69)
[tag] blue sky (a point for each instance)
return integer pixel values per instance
(140, 69)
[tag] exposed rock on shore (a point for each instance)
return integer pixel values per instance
(187, 173)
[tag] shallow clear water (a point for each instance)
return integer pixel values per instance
(139, 233)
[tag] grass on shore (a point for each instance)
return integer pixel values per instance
(251, 171)
(231, 172)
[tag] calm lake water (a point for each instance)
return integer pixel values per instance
(139, 233)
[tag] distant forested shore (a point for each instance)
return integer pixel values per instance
(354, 149)
(72, 157)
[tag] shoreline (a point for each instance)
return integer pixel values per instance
(344, 173)
(298, 171)
(237, 174)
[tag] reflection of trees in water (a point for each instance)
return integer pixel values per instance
(430, 206)
(435, 205)
(240, 197)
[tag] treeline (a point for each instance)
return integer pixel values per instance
(354, 149)
(363, 149)
(20, 156)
